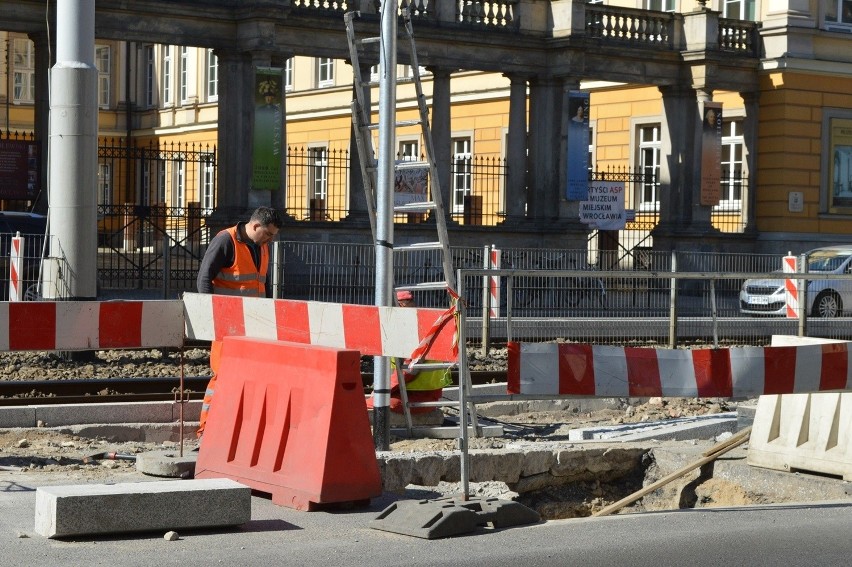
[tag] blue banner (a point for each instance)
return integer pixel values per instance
(577, 146)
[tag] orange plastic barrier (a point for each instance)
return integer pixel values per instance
(290, 420)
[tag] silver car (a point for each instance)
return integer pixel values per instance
(826, 297)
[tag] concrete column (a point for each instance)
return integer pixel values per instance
(41, 126)
(679, 129)
(442, 133)
(73, 209)
(358, 210)
(750, 125)
(544, 145)
(236, 85)
(700, 213)
(516, 151)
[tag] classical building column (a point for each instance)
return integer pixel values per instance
(41, 125)
(358, 210)
(516, 151)
(442, 134)
(749, 198)
(544, 145)
(677, 157)
(236, 110)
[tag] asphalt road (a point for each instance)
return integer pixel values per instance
(791, 534)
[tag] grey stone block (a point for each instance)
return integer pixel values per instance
(130, 412)
(85, 509)
(18, 416)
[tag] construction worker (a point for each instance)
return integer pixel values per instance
(420, 385)
(236, 263)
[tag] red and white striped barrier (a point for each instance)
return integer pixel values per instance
(376, 331)
(90, 325)
(791, 288)
(608, 371)
(16, 267)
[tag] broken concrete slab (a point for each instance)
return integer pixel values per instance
(86, 509)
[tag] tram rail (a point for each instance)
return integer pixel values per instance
(113, 390)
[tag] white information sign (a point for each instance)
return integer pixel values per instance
(605, 208)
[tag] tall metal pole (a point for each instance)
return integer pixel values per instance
(384, 213)
(72, 212)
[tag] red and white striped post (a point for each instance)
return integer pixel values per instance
(16, 267)
(791, 288)
(494, 283)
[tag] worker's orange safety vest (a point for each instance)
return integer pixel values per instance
(242, 277)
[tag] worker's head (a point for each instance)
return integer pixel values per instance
(404, 298)
(263, 225)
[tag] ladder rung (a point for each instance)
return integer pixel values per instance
(400, 124)
(448, 403)
(434, 365)
(418, 246)
(416, 207)
(368, 40)
(407, 164)
(423, 286)
(399, 81)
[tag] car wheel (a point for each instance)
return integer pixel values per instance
(827, 304)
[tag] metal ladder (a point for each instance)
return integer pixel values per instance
(361, 120)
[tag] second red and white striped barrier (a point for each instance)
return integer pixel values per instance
(563, 369)
(375, 331)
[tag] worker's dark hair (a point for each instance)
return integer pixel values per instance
(267, 216)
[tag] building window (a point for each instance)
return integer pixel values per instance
(182, 77)
(150, 77)
(288, 74)
(318, 172)
(374, 73)
(24, 74)
(208, 181)
(660, 5)
(179, 185)
(325, 72)
(409, 150)
(104, 184)
(732, 164)
(161, 182)
(167, 74)
(649, 163)
(462, 182)
(739, 9)
(839, 12)
(212, 76)
(102, 62)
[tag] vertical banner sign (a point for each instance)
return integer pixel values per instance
(840, 166)
(268, 129)
(711, 154)
(791, 288)
(577, 146)
(16, 266)
(19, 169)
(604, 209)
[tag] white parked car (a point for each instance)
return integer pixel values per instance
(826, 297)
